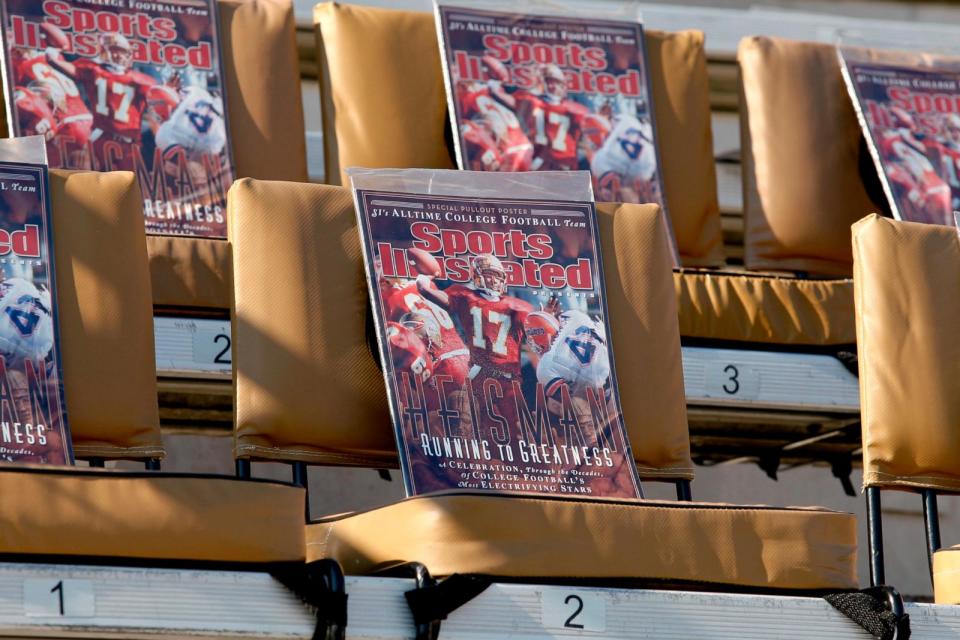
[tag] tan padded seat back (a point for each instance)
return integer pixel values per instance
(265, 116)
(800, 148)
(659, 543)
(679, 85)
(381, 88)
(645, 338)
(262, 71)
(106, 319)
(383, 102)
(907, 289)
(149, 515)
(765, 309)
(307, 387)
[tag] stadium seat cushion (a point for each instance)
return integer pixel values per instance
(190, 272)
(907, 293)
(656, 543)
(946, 576)
(680, 88)
(642, 311)
(262, 73)
(105, 315)
(98, 513)
(765, 309)
(802, 157)
(394, 113)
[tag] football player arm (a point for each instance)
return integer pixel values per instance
(58, 41)
(431, 293)
(57, 61)
(501, 94)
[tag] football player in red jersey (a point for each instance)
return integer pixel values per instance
(493, 324)
(922, 194)
(554, 123)
(34, 113)
(950, 156)
(451, 359)
(451, 356)
(119, 94)
(408, 352)
(484, 103)
(480, 149)
(74, 121)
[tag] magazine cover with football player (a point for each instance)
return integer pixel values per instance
(126, 86)
(546, 92)
(908, 105)
(33, 424)
(492, 327)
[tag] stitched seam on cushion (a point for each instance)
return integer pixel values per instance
(916, 480)
(675, 473)
(759, 276)
(98, 449)
(677, 505)
(353, 459)
(608, 503)
(125, 474)
(662, 470)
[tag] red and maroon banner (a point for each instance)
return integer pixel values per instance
(492, 328)
(126, 85)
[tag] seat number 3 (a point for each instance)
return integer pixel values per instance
(732, 380)
(732, 385)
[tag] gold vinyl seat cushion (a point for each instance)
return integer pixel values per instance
(307, 387)
(190, 272)
(907, 288)
(105, 315)
(677, 543)
(68, 511)
(946, 575)
(394, 113)
(265, 116)
(802, 156)
(772, 310)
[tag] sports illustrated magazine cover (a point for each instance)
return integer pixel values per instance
(127, 85)
(530, 92)
(33, 425)
(909, 108)
(492, 326)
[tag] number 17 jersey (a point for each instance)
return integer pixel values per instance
(493, 328)
(118, 99)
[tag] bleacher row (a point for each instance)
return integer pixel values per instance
(308, 392)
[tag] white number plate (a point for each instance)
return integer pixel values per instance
(53, 598)
(211, 345)
(574, 610)
(732, 380)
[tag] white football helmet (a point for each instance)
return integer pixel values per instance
(578, 356)
(26, 321)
